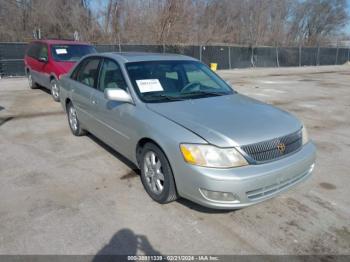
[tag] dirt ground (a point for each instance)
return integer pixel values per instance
(60, 194)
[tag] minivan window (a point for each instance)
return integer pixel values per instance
(111, 76)
(33, 50)
(43, 53)
(70, 53)
(87, 73)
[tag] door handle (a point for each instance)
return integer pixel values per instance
(94, 102)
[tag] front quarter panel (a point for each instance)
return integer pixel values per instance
(65, 90)
(166, 133)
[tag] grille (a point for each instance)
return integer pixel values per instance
(268, 150)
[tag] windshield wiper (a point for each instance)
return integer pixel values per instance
(165, 97)
(205, 93)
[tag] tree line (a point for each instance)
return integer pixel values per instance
(241, 22)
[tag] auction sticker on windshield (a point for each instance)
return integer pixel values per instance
(61, 51)
(149, 85)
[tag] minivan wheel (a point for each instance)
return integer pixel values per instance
(156, 174)
(31, 82)
(55, 90)
(73, 121)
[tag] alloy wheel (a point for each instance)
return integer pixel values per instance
(55, 90)
(73, 120)
(153, 172)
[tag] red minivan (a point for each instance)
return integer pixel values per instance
(46, 60)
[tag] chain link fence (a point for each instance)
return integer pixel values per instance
(226, 57)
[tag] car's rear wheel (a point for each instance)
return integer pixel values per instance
(156, 174)
(55, 90)
(31, 82)
(73, 121)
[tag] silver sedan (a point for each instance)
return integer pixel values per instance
(188, 131)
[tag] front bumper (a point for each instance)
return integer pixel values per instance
(249, 184)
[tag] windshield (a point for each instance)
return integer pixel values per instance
(70, 53)
(163, 81)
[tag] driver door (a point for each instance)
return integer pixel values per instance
(114, 125)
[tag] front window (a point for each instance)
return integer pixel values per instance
(111, 76)
(43, 52)
(162, 81)
(70, 53)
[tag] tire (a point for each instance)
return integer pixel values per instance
(31, 83)
(55, 90)
(73, 121)
(157, 176)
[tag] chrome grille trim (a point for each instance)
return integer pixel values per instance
(267, 150)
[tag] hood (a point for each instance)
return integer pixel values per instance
(231, 120)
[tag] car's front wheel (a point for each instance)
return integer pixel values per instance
(156, 174)
(55, 90)
(73, 121)
(31, 82)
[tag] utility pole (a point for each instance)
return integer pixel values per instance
(277, 57)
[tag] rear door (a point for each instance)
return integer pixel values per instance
(38, 67)
(85, 81)
(32, 57)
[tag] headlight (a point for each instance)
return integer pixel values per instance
(211, 156)
(305, 136)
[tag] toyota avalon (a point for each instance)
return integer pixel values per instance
(190, 133)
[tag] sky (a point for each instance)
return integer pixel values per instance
(102, 3)
(347, 28)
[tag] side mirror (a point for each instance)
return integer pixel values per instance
(117, 94)
(43, 59)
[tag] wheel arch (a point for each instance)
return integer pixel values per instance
(53, 77)
(66, 102)
(141, 143)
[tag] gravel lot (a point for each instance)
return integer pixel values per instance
(60, 194)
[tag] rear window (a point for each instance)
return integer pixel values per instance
(33, 50)
(70, 53)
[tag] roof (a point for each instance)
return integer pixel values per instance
(61, 42)
(142, 56)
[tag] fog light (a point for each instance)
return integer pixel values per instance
(219, 196)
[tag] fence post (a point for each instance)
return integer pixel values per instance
(252, 57)
(349, 54)
(163, 48)
(318, 55)
(229, 57)
(336, 56)
(200, 53)
(300, 55)
(277, 57)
